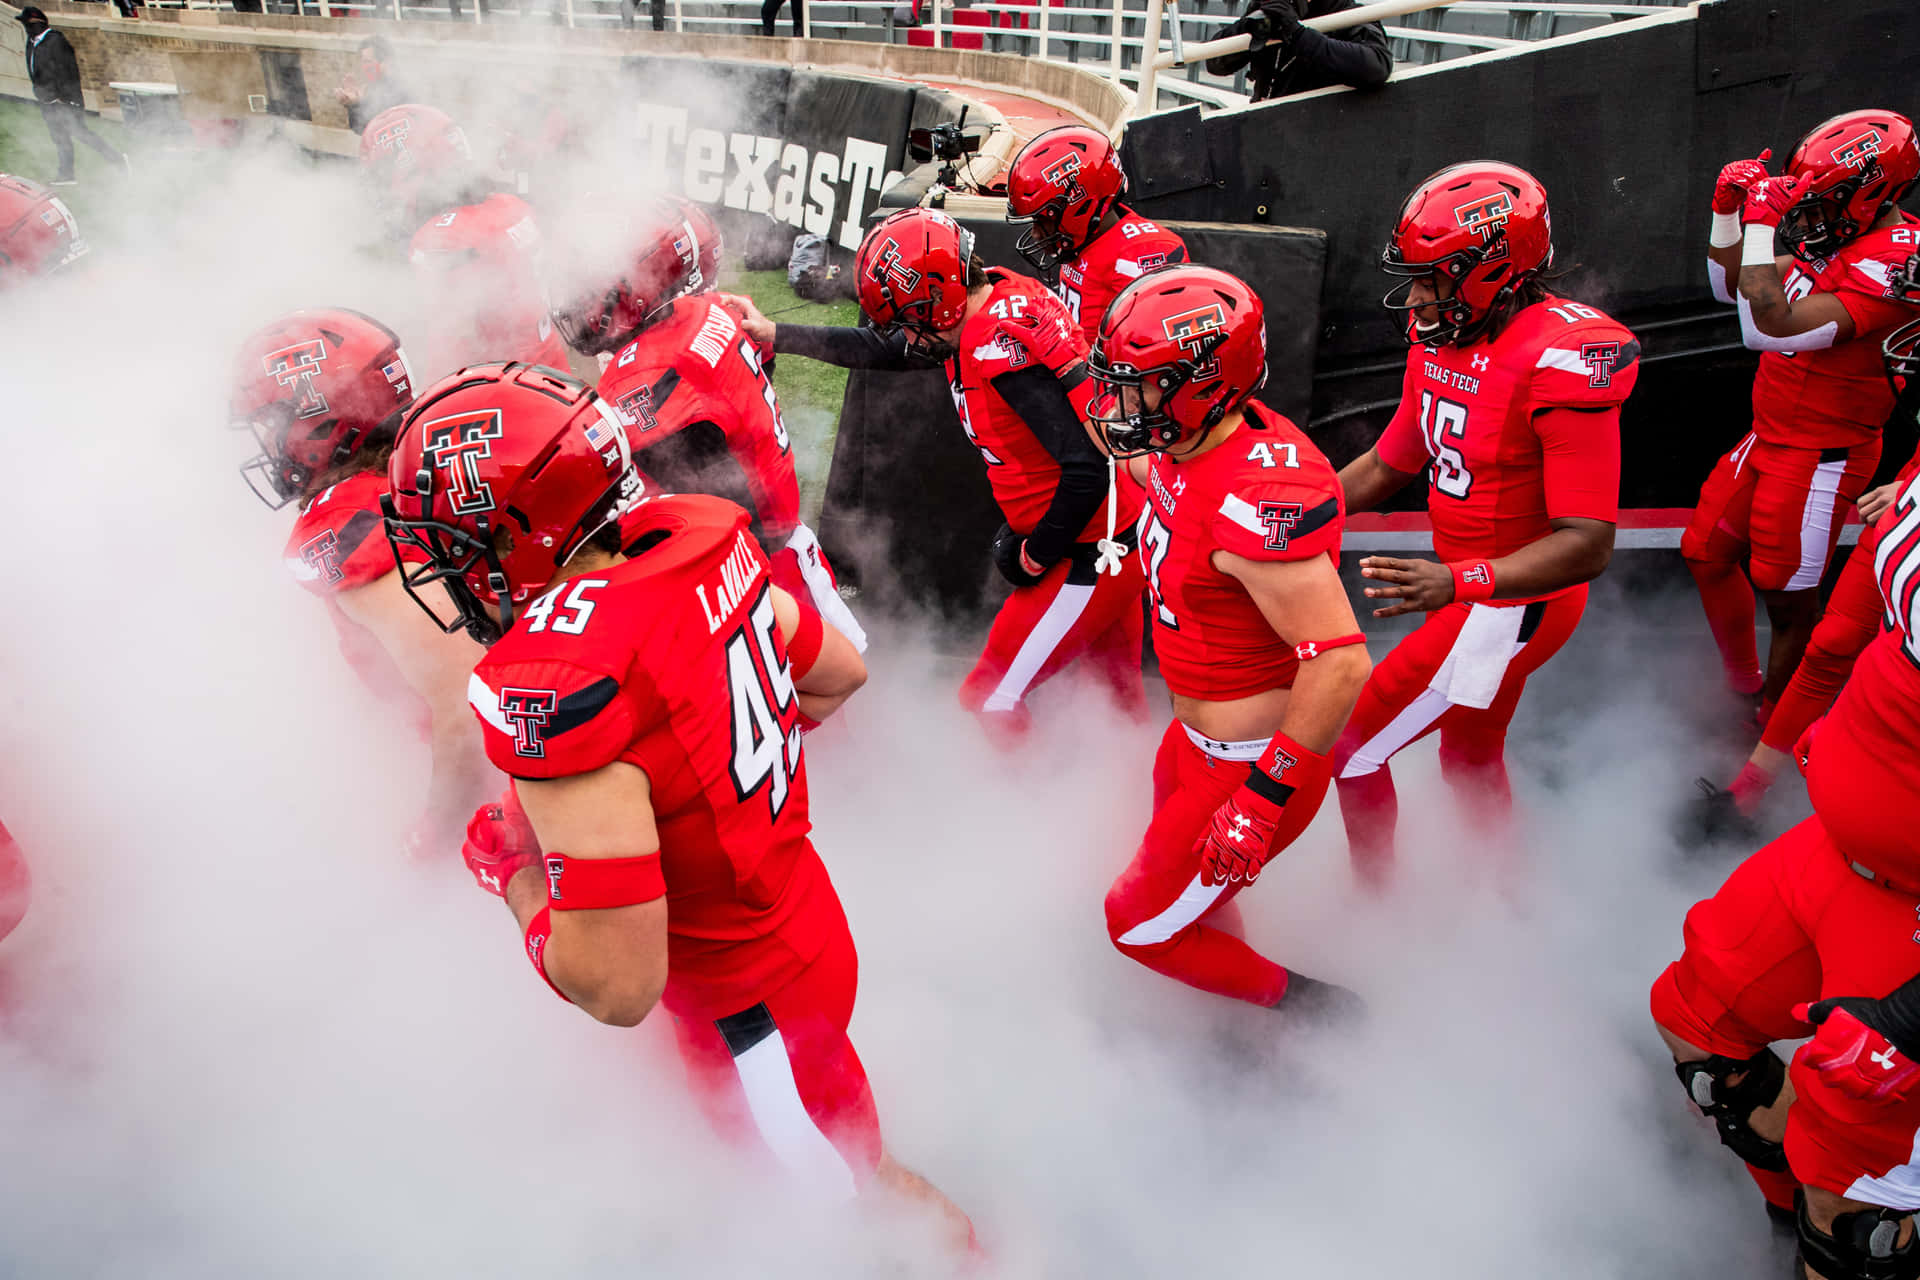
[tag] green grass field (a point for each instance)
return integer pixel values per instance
(810, 393)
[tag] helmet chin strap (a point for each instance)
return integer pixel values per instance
(1113, 555)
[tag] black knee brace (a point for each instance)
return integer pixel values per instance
(1731, 1106)
(1861, 1247)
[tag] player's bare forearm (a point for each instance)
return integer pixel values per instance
(1727, 258)
(836, 674)
(1766, 295)
(1576, 551)
(1368, 481)
(527, 893)
(1324, 693)
(462, 777)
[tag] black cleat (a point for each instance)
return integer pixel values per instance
(1312, 1003)
(1713, 817)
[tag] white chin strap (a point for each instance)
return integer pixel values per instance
(1113, 555)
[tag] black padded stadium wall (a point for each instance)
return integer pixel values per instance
(1627, 132)
(907, 505)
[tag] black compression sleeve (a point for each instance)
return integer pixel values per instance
(847, 346)
(1039, 396)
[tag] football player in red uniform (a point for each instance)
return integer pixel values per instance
(1817, 317)
(16, 883)
(647, 704)
(1850, 620)
(474, 249)
(323, 391)
(38, 235)
(1066, 185)
(692, 386)
(1239, 542)
(1827, 910)
(1512, 407)
(1016, 365)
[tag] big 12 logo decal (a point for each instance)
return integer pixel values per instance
(456, 446)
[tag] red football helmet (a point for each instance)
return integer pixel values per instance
(1061, 185)
(314, 387)
(415, 157)
(37, 231)
(707, 240)
(912, 274)
(1900, 352)
(1852, 169)
(1198, 335)
(1482, 225)
(608, 293)
(501, 473)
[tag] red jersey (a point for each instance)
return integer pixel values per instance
(1266, 493)
(672, 661)
(1839, 396)
(1113, 260)
(1500, 467)
(696, 366)
(339, 544)
(1021, 324)
(481, 266)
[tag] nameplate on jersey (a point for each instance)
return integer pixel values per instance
(739, 572)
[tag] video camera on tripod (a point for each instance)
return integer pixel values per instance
(949, 143)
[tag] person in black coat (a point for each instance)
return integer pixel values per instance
(1290, 57)
(55, 73)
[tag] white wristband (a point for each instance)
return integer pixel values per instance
(1756, 248)
(1725, 232)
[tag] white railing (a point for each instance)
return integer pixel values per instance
(1111, 35)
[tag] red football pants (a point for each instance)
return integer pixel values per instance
(1403, 703)
(1780, 508)
(1070, 613)
(1794, 923)
(1158, 911)
(782, 1078)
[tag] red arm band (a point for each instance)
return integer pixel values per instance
(1472, 580)
(600, 884)
(808, 635)
(539, 929)
(1314, 648)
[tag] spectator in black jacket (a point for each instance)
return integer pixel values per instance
(55, 74)
(1290, 57)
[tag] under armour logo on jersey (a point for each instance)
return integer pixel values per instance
(1487, 218)
(1198, 332)
(1600, 358)
(1861, 153)
(322, 555)
(456, 445)
(1480, 363)
(294, 368)
(1883, 1058)
(1279, 519)
(528, 711)
(1064, 173)
(891, 271)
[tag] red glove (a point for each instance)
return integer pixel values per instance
(500, 841)
(1768, 201)
(1853, 1058)
(1240, 838)
(1735, 180)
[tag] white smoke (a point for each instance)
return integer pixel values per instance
(246, 1038)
